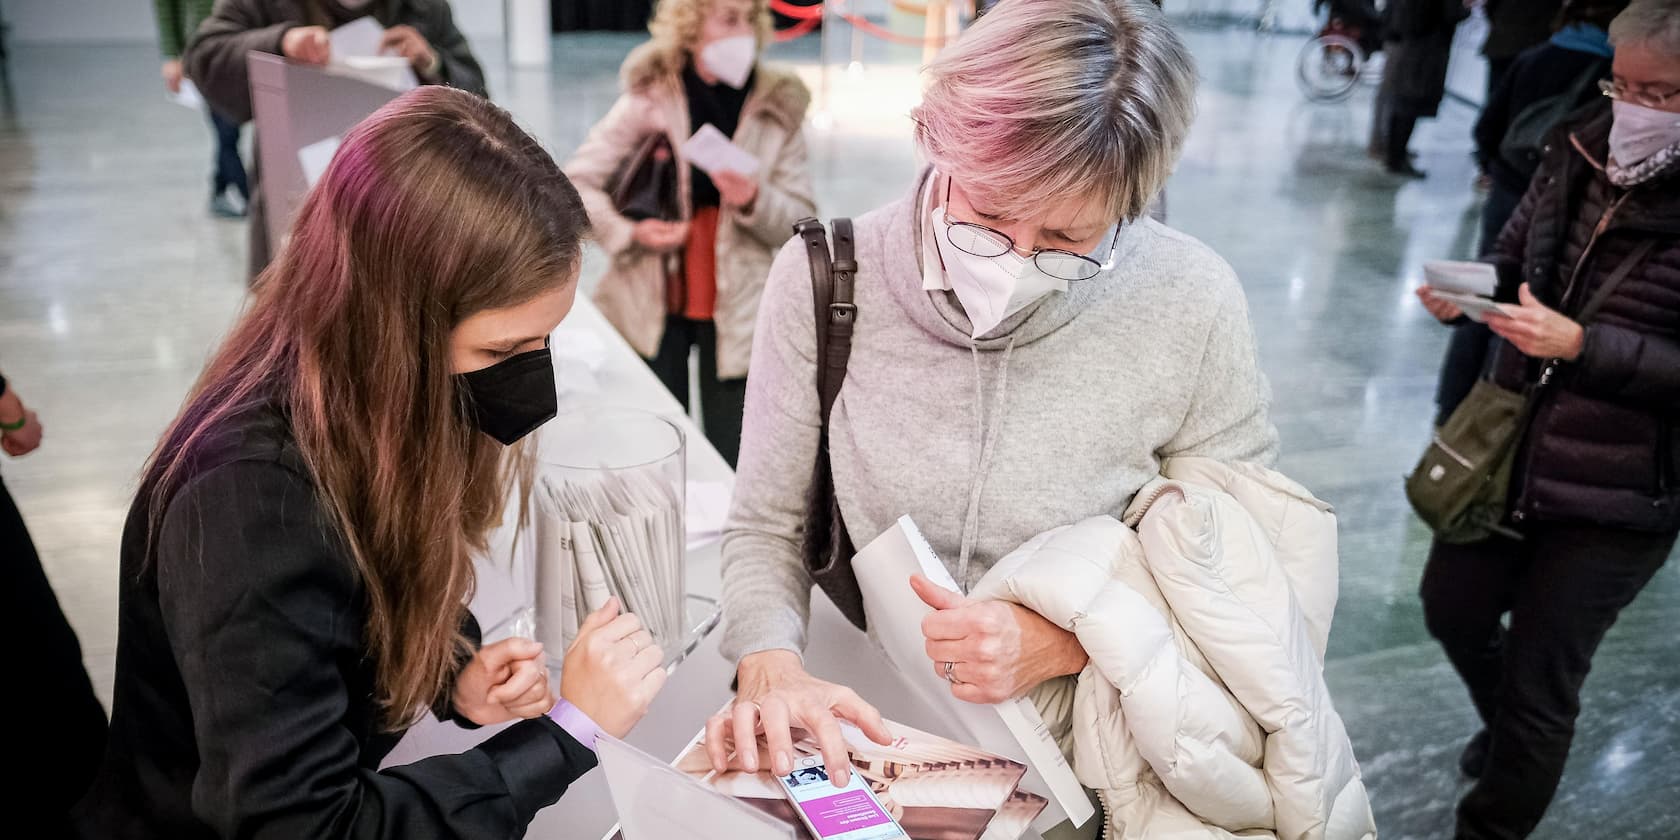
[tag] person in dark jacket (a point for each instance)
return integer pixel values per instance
(1514, 26)
(66, 731)
(296, 565)
(1578, 52)
(423, 31)
(1417, 35)
(1596, 487)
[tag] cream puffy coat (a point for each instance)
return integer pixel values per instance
(1203, 712)
(632, 292)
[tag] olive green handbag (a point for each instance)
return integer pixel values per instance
(1461, 486)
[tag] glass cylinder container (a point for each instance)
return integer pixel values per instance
(607, 517)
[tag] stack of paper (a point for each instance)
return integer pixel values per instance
(616, 533)
(1470, 285)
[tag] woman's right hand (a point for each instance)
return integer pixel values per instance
(776, 694)
(661, 236)
(1444, 311)
(308, 44)
(613, 670)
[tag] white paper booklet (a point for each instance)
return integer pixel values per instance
(712, 152)
(1013, 729)
(356, 53)
(1465, 278)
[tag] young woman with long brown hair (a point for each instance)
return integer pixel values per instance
(296, 567)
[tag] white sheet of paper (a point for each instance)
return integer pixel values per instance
(706, 509)
(188, 96)
(387, 71)
(1475, 308)
(315, 157)
(713, 152)
(359, 37)
(1469, 278)
(1012, 729)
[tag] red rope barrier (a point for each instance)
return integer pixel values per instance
(799, 30)
(809, 16)
(787, 9)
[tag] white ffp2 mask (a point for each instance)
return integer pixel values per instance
(1638, 132)
(731, 59)
(990, 288)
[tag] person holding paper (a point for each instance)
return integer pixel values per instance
(177, 20)
(297, 563)
(693, 283)
(423, 31)
(1029, 347)
(1596, 492)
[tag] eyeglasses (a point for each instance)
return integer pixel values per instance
(982, 241)
(1619, 92)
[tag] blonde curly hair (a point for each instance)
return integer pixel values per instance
(676, 23)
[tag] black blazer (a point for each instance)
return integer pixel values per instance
(244, 703)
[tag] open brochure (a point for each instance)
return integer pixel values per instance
(933, 787)
(1012, 729)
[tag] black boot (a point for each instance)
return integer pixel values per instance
(1401, 123)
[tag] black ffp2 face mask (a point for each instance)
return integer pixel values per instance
(512, 397)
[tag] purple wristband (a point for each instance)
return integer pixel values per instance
(576, 723)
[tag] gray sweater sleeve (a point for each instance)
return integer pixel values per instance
(1230, 412)
(766, 591)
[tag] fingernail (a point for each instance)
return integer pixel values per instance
(783, 765)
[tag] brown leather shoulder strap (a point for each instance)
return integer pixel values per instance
(832, 280)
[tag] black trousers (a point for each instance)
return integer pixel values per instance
(229, 169)
(721, 400)
(1397, 140)
(60, 739)
(1563, 587)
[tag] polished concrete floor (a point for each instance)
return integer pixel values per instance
(114, 283)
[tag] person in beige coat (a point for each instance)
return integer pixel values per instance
(694, 283)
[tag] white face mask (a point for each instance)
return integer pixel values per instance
(730, 59)
(1639, 132)
(991, 288)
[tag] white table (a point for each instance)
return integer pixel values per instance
(700, 684)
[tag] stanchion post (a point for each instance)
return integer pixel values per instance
(824, 117)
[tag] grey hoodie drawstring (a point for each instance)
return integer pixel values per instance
(988, 446)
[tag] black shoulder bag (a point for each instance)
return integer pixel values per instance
(827, 548)
(645, 184)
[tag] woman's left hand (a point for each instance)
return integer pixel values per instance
(504, 681)
(1538, 330)
(406, 41)
(737, 190)
(997, 650)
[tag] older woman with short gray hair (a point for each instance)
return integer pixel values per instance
(1029, 347)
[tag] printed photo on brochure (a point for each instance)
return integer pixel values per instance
(929, 787)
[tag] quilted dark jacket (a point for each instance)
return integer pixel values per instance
(1601, 447)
